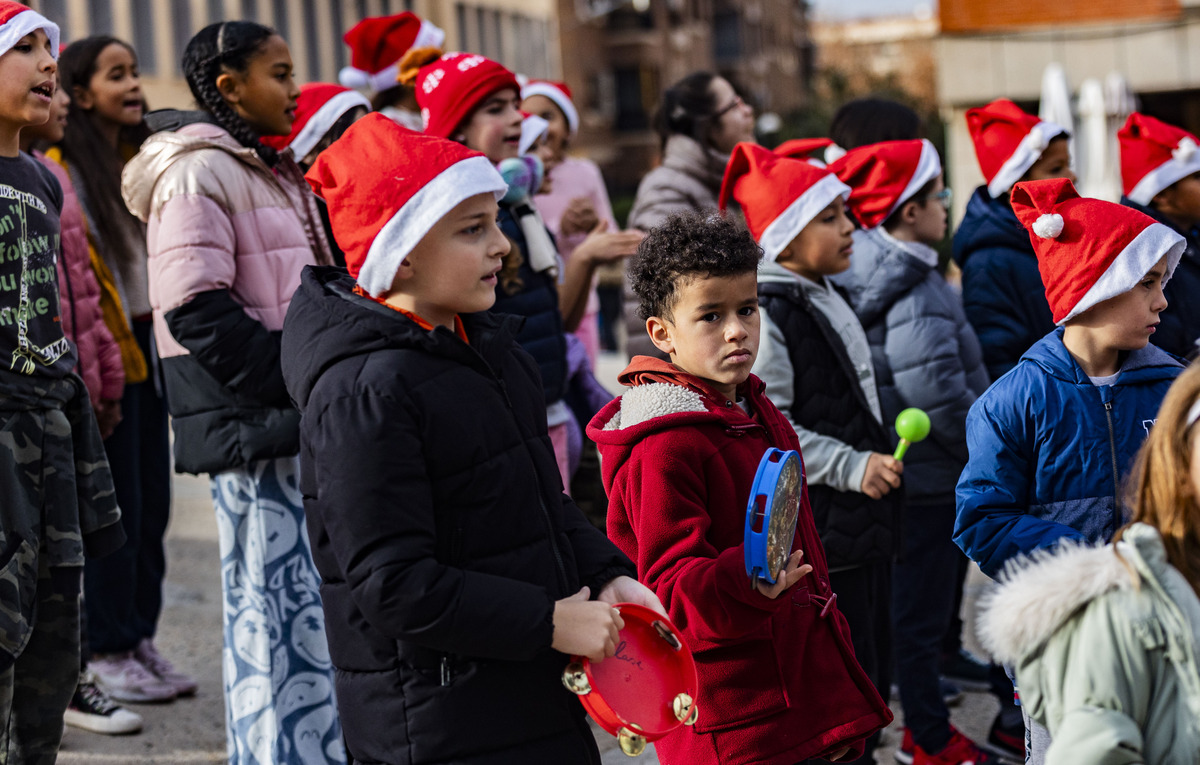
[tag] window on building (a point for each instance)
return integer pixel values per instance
(339, 31)
(100, 19)
(460, 20)
(143, 36)
(56, 11)
(626, 17)
(631, 110)
(727, 35)
(181, 32)
(216, 11)
(279, 12)
(312, 40)
(250, 10)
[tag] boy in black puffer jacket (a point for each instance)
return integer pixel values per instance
(456, 574)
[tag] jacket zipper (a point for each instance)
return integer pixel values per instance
(1112, 450)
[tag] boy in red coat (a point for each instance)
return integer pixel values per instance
(778, 679)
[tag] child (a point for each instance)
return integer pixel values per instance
(816, 365)
(54, 478)
(1104, 643)
(1050, 440)
(679, 452)
(99, 364)
(925, 356)
(1002, 291)
(376, 47)
(123, 592)
(1160, 169)
(230, 225)
(456, 575)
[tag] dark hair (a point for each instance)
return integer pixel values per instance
(865, 121)
(220, 47)
(686, 246)
(919, 198)
(86, 149)
(688, 108)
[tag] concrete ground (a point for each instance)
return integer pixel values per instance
(192, 731)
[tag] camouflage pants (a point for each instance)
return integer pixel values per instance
(35, 690)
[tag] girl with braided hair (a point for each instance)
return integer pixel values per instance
(230, 224)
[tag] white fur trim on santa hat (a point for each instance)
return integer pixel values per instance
(24, 23)
(393, 243)
(428, 36)
(780, 233)
(320, 123)
(1132, 265)
(533, 127)
(558, 97)
(929, 167)
(1027, 152)
(1185, 160)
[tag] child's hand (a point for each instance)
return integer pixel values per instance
(792, 573)
(108, 416)
(602, 247)
(882, 475)
(623, 589)
(580, 216)
(586, 628)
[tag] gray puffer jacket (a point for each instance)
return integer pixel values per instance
(926, 354)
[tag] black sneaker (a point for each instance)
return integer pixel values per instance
(1007, 735)
(91, 709)
(967, 670)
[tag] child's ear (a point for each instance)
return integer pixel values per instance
(661, 334)
(230, 87)
(82, 97)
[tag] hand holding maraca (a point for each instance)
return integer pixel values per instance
(912, 425)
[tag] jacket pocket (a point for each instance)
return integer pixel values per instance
(18, 594)
(743, 680)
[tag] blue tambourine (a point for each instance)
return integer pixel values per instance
(771, 513)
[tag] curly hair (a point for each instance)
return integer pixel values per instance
(688, 245)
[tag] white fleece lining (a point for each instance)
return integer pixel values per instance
(1028, 151)
(460, 181)
(928, 168)
(24, 23)
(646, 402)
(320, 123)
(558, 97)
(1131, 265)
(780, 233)
(1163, 176)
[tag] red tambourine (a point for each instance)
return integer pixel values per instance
(647, 689)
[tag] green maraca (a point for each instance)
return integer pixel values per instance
(912, 425)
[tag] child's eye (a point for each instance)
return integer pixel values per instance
(23, 47)
(472, 230)
(708, 318)
(748, 310)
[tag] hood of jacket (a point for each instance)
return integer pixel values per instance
(164, 149)
(881, 272)
(327, 323)
(1144, 365)
(988, 223)
(687, 156)
(1039, 593)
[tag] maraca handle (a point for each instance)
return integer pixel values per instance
(901, 449)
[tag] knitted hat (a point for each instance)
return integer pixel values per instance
(319, 106)
(18, 20)
(387, 186)
(1007, 142)
(815, 151)
(378, 44)
(560, 94)
(450, 87)
(885, 175)
(1089, 250)
(778, 195)
(1154, 155)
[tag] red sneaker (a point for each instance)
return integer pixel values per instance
(960, 750)
(904, 755)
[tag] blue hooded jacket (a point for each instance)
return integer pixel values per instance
(1179, 327)
(1048, 450)
(1002, 289)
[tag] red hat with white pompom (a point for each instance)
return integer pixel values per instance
(377, 45)
(778, 195)
(1008, 141)
(387, 186)
(560, 94)
(1089, 250)
(319, 106)
(1154, 155)
(815, 151)
(18, 20)
(885, 175)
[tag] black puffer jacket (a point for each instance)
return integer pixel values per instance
(828, 400)
(440, 531)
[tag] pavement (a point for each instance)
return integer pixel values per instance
(192, 731)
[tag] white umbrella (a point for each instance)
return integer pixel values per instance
(1055, 105)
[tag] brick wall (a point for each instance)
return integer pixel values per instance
(991, 15)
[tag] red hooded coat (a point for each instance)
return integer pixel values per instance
(778, 678)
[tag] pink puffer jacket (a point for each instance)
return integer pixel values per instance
(79, 292)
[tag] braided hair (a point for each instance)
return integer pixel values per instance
(218, 48)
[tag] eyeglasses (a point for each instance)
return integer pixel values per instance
(944, 197)
(735, 103)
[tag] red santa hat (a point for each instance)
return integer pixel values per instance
(377, 45)
(883, 176)
(1154, 155)
(560, 94)
(450, 87)
(1007, 142)
(1089, 250)
(18, 20)
(387, 186)
(816, 151)
(779, 196)
(319, 106)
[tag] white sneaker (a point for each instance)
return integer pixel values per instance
(164, 670)
(124, 678)
(91, 709)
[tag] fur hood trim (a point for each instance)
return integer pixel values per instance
(1040, 592)
(647, 402)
